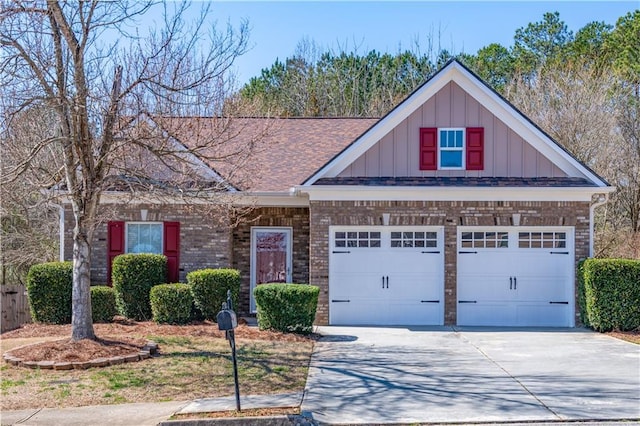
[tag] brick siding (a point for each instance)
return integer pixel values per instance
(204, 241)
(295, 218)
(435, 213)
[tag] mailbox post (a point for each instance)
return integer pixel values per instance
(227, 321)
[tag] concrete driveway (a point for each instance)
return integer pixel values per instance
(446, 374)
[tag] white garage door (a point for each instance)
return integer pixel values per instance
(516, 276)
(386, 276)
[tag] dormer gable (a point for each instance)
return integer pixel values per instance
(454, 125)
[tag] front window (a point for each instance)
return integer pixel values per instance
(144, 238)
(451, 148)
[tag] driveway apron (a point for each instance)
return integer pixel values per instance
(445, 374)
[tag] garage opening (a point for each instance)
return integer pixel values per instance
(516, 276)
(386, 275)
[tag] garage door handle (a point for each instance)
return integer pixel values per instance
(510, 283)
(559, 252)
(467, 252)
(558, 303)
(429, 301)
(431, 252)
(340, 301)
(338, 252)
(515, 283)
(467, 301)
(383, 281)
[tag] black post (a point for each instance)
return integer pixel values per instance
(231, 335)
(232, 342)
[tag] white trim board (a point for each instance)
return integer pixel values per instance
(445, 193)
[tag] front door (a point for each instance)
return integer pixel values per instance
(270, 257)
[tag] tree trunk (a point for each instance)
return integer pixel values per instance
(81, 318)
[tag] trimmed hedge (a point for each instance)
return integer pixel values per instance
(209, 289)
(103, 303)
(171, 303)
(609, 290)
(133, 276)
(49, 289)
(290, 308)
(582, 304)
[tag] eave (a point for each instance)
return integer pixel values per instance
(387, 193)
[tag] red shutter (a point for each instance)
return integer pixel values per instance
(172, 250)
(115, 244)
(428, 148)
(475, 148)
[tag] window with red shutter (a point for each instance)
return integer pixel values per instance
(448, 152)
(428, 148)
(475, 148)
(144, 242)
(115, 244)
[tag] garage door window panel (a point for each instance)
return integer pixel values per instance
(362, 239)
(408, 239)
(484, 240)
(546, 240)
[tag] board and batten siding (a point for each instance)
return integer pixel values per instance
(506, 153)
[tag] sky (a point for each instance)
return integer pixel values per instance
(388, 26)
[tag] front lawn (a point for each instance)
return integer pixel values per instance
(194, 362)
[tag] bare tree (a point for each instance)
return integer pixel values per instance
(592, 115)
(28, 221)
(109, 89)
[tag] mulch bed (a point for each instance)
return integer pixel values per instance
(123, 337)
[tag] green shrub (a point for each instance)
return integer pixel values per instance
(133, 276)
(584, 318)
(611, 293)
(49, 289)
(290, 308)
(171, 303)
(209, 289)
(103, 303)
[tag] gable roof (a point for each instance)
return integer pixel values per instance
(454, 71)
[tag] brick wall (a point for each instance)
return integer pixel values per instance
(295, 218)
(204, 241)
(435, 213)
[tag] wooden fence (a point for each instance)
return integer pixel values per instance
(15, 307)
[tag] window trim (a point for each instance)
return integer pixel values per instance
(462, 149)
(126, 234)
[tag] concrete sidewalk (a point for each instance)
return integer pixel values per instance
(113, 415)
(150, 414)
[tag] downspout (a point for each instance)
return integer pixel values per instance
(602, 199)
(60, 229)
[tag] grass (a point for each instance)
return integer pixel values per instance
(187, 368)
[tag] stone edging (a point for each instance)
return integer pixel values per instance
(149, 349)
